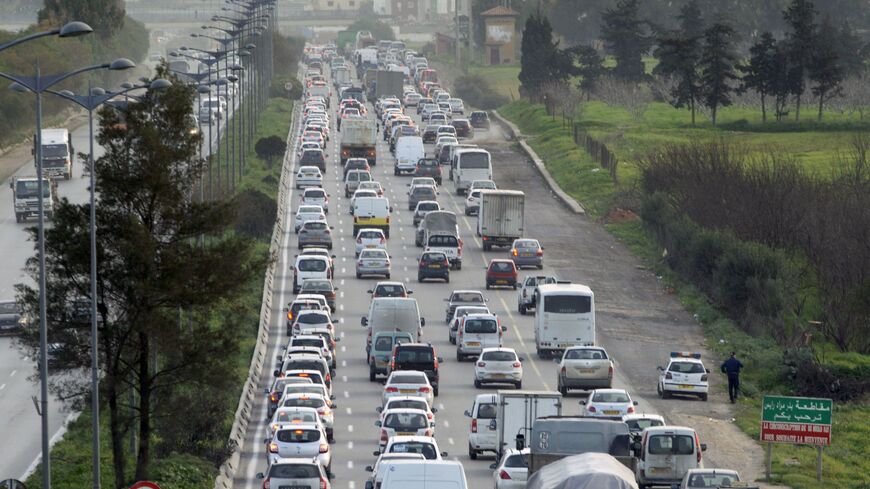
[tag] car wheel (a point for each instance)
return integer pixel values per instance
(388, 276)
(563, 390)
(515, 286)
(541, 266)
(459, 265)
(447, 279)
(458, 356)
(704, 397)
(477, 384)
(487, 286)
(472, 453)
(519, 385)
(522, 309)
(435, 391)
(358, 275)
(372, 374)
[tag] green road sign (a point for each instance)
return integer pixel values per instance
(796, 420)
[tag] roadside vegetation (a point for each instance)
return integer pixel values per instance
(743, 187)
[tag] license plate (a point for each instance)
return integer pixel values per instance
(406, 433)
(407, 391)
(526, 254)
(586, 370)
(501, 281)
(499, 376)
(370, 246)
(611, 412)
(294, 487)
(684, 386)
(565, 345)
(659, 470)
(434, 266)
(472, 343)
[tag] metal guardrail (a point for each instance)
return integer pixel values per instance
(244, 411)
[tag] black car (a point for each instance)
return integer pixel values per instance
(428, 167)
(434, 265)
(417, 356)
(313, 157)
(10, 318)
(479, 119)
(463, 128)
(430, 133)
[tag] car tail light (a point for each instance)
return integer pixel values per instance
(384, 435)
(630, 409)
(698, 448)
(324, 447)
(474, 426)
(424, 389)
(591, 409)
(446, 263)
(323, 216)
(323, 483)
(503, 475)
(266, 483)
(328, 378)
(429, 432)
(273, 397)
(669, 376)
(564, 370)
(704, 378)
(430, 416)
(540, 252)
(517, 365)
(610, 371)
(273, 448)
(481, 364)
(514, 253)
(392, 389)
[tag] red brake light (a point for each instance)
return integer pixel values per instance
(359, 240)
(540, 252)
(630, 409)
(324, 448)
(698, 447)
(323, 483)
(392, 389)
(481, 364)
(592, 409)
(504, 476)
(424, 389)
(384, 435)
(474, 426)
(273, 448)
(517, 364)
(609, 372)
(266, 484)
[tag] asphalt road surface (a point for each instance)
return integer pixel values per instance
(637, 322)
(19, 420)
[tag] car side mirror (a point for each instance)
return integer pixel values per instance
(440, 359)
(332, 256)
(634, 402)
(261, 475)
(378, 423)
(287, 309)
(636, 447)
(582, 403)
(391, 208)
(434, 410)
(369, 292)
(369, 468)
(376, 453)
(331, 227)
(335, 288)
(276, 373)
(332, 397)
(266, 391)
(379, 409)
(522, 359)
(503, 329)
(703, 447)
(708, 370)
(364, 321)
(445, 454)
(338, 340)
(660, 368)
(422, 321)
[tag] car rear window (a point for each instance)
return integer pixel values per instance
(609, 397)
(312, 402)
(414, 355)
(499, 356)
(310, 209)
(370, 234)
(315, 342)
(294, 471)
(481, 326)
(444, 241)
(311, 266)
(298, 435)
(389, 290)
(671, 445)
(406, 421)
(641, 424)
(315, 226)
(315, 193)
(313, 318)
(428, 206)
(686, 368)
(486, 411)
(466, 297)
(501, 266)
(527, 244)
(408, 379)
(585, 355)
(434, 257)
(516, 461)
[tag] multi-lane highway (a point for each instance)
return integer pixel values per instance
(637, 321)
(19, 420)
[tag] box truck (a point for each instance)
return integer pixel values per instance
(516, 413)
(500, 217)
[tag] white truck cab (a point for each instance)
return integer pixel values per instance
(665, 454)
(25, 197)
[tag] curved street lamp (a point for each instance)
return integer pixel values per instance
(70, 29)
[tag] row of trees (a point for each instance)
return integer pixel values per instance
(699, 65)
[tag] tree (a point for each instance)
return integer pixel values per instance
(625, 38)
(800, 40)
(269, 148)
(678, 60)
(590, 68)
(380, 30)
(152, 265)
(691, 20)
(851, 51)
(541, 60)
(717, 62)
(105, 16)
(759, 73)
(781, 81)
(825, 70)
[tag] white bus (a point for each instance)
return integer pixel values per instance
(564, 317)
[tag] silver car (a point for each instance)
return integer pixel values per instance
(527, 253)
(373, 262)
(424, 207)
(513, 469)
(315, 233)
(420, 193)
(295, 472)
(300, 440)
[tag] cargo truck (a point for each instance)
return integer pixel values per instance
(57, 153)
(500, 217)
(556, 437)
(516, 413)
(436, 222)
(358, 140)
(389, 84)
(25, 197)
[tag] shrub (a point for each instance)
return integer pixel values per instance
(477, 91)
(256, 214)
(280, 85)
(269, 148)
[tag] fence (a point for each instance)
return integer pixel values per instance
(599, 151)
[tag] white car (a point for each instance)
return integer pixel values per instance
(403, 422)
(322, 404)
(360, 193)
(373, 262)
(472, 203)
(370, 238)
(412, 99)
(296, 472)
(407, 402)
(307, 213)
(685, 374)
(408, 383)
(309, 176)
(307, 145)
(697, 478)
(424, 207)
(442, 140)
(483, 185)
(608, 403)
(287, 415)
(378, 470)
(316, 196)
(425, 445)
(300, 440)
(456, 105)
(584, 367)
(512, 470)
(499, 366)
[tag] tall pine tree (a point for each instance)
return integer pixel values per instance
(625, 37)
(718, 67)
(590, 68)
(541, 59)
(825, 70)
(800, 40)
(759, 73)
(678, 54)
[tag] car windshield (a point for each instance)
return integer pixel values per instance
(389, 291)
(610, 397)
(298, 436)
(305, 401)
(408, 379)
(27, 189)
(414, 355)
(466, 297)
(712, 480)
(486, 411)
(499, 356)
(406, 421)
(501, 266)
(481, 326)
(686, 368)
(291, 416)
(671, 445)
(311, 266)
(585, 354)
(294, 471)
(427, 449)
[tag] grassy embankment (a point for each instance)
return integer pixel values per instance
(814, 145)
(71, 457)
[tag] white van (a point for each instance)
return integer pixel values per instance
(482, 435)
(471, 164)
(372, 212)
(393, 314)
(409, 150)
(310, 266)
(666, 453)
(425, 474)
(476, 332)
(564, 317)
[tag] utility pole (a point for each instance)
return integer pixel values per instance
(456, 33)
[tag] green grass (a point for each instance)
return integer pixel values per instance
(845, 465)
(71, 456)
(502, 78)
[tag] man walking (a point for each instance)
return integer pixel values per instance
(731, 367)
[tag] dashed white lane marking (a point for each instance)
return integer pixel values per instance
(346, 394)
(351, 485)
(441, 406)
(343, 348)
(344, 363)
(350, 445)
(519, 337)
(344, 378)
(350, 428)
(343, 270)
(350, 464)
(2, 387)
(13, 373)
(450, 441)
(446, 424)
(349, 411)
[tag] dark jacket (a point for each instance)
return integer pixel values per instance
(731, 366)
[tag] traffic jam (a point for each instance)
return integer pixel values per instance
(383, 154)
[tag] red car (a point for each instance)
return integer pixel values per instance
(501, 273)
